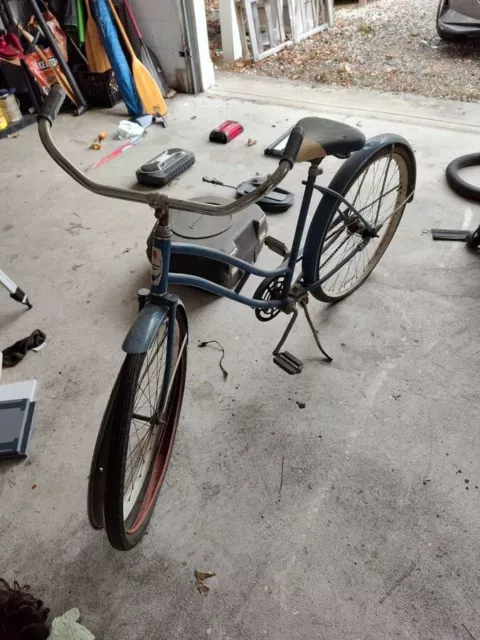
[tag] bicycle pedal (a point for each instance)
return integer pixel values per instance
(288, 362)
(277, 246)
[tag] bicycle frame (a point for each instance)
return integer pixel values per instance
(161, 277)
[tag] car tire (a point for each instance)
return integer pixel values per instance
(446, 35)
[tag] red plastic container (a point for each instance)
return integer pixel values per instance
(227, 131)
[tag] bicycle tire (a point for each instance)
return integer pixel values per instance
(458, 184)
(96, 479)
(126, 532)
(342, 183)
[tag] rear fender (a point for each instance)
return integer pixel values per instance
(340, 183)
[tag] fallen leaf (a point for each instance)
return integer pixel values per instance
(200, 577)
(251, 142)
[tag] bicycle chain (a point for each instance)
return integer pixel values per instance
(336, 250)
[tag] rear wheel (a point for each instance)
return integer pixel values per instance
(142, 435)
(379, 191)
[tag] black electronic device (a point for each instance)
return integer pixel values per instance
(241, 235)
(162, 169)
(277, 201)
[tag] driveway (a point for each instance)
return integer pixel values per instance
(388, 45)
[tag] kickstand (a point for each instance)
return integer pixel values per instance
(314, 331)
(287, 361)
(286, 333)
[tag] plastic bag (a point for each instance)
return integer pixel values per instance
(39, 70)
(128, 129)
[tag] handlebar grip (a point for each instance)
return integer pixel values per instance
(52, 103)
(293, 145)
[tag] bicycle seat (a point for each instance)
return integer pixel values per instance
(327, 138)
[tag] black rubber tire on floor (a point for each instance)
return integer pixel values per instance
(117, 531)
(458, 184)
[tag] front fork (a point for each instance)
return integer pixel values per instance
(158, 294)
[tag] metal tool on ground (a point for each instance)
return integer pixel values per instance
(148, 90)
(147, 56)
(116, 152)
(96, 55)
(162, 169)
(277, 201)
(147, 121)
(472, 238)
(225, 132)
(15, 292)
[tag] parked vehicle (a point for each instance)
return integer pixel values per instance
(458, 19)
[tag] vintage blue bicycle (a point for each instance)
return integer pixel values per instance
(349, 232)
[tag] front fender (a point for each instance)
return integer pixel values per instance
(143, 331)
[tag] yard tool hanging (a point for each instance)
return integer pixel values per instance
(113, 47)
(80, 21)
(79, 99)
(147, 56)
(96, 55)
(148, 90)
(44, 56)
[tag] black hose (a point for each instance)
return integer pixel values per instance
(458, 184)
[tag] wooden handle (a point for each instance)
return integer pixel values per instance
(89, 13)
(122, 30)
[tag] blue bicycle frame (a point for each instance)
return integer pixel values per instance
(163, 248)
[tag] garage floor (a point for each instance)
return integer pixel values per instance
(354, 545)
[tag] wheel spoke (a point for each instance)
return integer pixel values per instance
(379, 195)
(146, 427)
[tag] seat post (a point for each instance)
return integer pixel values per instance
(313, 172)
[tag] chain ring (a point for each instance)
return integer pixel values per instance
(269, 289)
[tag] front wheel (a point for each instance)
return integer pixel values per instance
(339, 252)
(145, 415)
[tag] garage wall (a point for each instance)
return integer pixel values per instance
(161, 23)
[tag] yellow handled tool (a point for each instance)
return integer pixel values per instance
(148, 90)
(96, 55)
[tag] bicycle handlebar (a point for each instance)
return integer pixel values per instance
(46, 118)
(53, 103)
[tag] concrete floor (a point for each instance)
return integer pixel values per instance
(356, 546)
